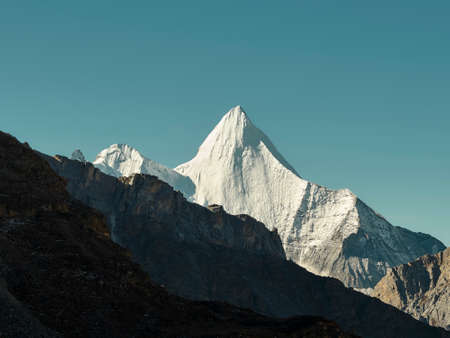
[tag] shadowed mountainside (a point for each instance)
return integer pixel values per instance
(210, 255)
(61, 275)
(329, 232)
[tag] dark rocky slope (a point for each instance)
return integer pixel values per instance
(210, 255)
(61, 275)
(420, 288)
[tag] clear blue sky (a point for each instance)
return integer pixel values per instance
(353, 93)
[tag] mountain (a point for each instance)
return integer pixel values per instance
(329, 232)
(122, 160)
(207, 254)
(61, 275)
(78, 156)
(420, 288)
(130, 202)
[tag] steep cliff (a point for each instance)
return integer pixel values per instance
(420, 288)
(211, 255)
(61, 275)
(329, 232)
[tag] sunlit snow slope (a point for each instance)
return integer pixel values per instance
(329, 232)
(123, 160)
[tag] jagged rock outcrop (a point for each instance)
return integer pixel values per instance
(211, 255)
(78, 156)
(130, 202)
(61, 275)
(420, 288)
(329, 232)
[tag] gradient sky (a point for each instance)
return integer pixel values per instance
(353, 93)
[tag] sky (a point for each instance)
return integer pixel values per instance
(354, 94)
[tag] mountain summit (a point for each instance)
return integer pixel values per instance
(123, 160)
(78, 156)
(236, 136)
(329, 232)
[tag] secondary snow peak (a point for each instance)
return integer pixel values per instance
(124, 160)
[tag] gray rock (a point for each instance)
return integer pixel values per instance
(211, 255)
(77, 155)
(420, 288)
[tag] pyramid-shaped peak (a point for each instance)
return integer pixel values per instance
(236, 118)
(237, 110)
(233, 130)
(233, 136)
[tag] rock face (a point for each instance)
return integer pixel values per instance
(122, 160)
(78, 156)
(61, 275)
(420, 288)
(207, 254)
(329, 232)
(131, 202)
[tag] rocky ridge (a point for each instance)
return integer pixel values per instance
(131, 202)
(420, 288)
(78, 156)
(61, 275)
(329, 232)
(201, 254)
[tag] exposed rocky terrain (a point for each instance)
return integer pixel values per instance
(207, 254)
(62, 276)
(329, 232)
(420, 288)
(78, 155)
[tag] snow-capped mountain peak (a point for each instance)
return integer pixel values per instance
(238, 118)
(330, 232)
(124, 160)
(232, 130)
(236, 136)
(237, 111)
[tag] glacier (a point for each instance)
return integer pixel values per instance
(123, 160)
(329, 232)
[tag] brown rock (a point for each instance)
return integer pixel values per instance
(205, 255)
(420, 288)
(61, 275)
